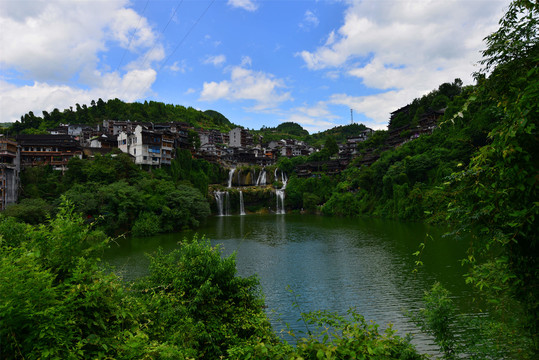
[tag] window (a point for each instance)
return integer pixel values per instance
(144, 158)
(134, 151)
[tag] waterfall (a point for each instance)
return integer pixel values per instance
(219, 200)
(222, 198)
(280, 194)
(261, 180)
(242, 208)
(227, 209)
(230, 174)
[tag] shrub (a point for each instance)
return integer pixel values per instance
(147, 224)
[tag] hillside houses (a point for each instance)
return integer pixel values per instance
(149, 145)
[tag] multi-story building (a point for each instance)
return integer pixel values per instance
(167, 147)
(145, 145)
(54, 150)
(9, 172)
(114, 127)
(239, 137)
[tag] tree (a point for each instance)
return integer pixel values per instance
(497, 192)
(331, 145)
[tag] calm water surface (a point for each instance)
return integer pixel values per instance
(329, 263)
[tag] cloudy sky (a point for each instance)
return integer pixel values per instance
(257, 62)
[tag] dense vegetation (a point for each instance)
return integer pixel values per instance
(339, 133)
(476, 172)
(115, 109)
(119, 195)
(290, 130)
(59, 302)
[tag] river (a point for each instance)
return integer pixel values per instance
(325, 263)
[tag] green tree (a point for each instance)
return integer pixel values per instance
(331, 145)
(497, 192)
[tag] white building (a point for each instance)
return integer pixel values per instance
(144, 145)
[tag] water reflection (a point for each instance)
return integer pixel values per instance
(329, 263)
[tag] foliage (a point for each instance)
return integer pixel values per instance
(375, 141)
(41, 182)
(191, 305)
(147, 224)
(288, 165)
(70, 309)
(409, 115)
(114, 190)
(339, 133)
(320, 186)
(56, 302)
(152, 111)
(291, 129)
(334, 337)
(200, 173)
(31, 211)
(497, 193)
(439, 319)
(330, 145)
(202, 303)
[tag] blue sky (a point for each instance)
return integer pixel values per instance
(257, 62)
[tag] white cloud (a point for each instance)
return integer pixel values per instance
(50, 43)
(19, 100)
(246, 61)
(245, 85)
(376, 107)
(407, 48)
(313, 118)
(176, 67)
(216, 60)
(310, 20)
(248, 5)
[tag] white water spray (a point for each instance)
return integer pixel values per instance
(280, 193)
(230, 175)
(261, 180)
(242, 208)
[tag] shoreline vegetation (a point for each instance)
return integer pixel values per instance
(477, 172)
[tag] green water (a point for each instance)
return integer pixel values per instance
(329, 263)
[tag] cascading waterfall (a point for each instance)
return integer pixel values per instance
(222, 199)
(230, 175)
(261, 180)
(219, 199)
(280, 193)
(242, 208)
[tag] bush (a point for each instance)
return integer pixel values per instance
(147, 224)
(31, 211)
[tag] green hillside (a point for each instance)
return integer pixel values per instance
(115, 109)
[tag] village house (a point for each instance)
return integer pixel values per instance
(143, 144)
(115, 127)
(9, 171)
(167, 147)
(54, 150)
(102, 141)
(239, 137)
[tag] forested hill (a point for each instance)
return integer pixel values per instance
(340, 133)
(115, 109)
(290, 130)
